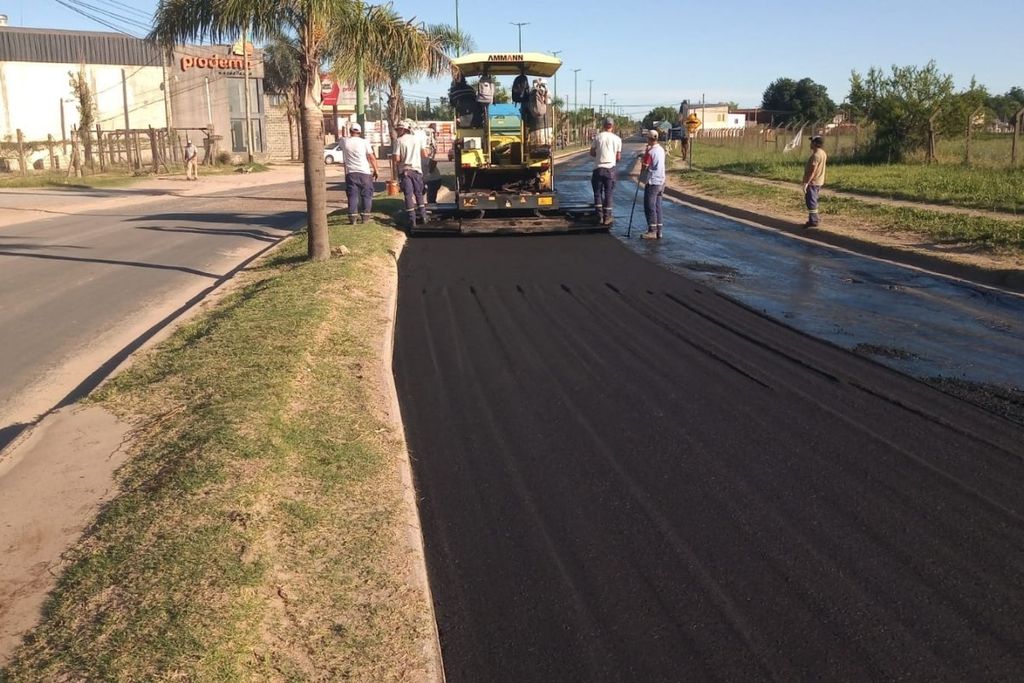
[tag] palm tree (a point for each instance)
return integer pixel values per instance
(320, 29)
(424, 51)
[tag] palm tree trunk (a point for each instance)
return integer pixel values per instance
(312, 122)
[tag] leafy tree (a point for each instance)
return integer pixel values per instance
(424, 51)
(802, 100)
(86, 108)
(322, 31)
(660, 114)
(281, 77)
(900, 105)
(1006, 105)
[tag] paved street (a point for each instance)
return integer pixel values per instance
(82, 289)
(624, 475)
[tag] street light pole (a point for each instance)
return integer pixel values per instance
(590, 103)
(604, 104)
(576, 96)
(458, 48)
(555, 53)
(520, 25)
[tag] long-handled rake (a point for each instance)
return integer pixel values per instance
(629, 229)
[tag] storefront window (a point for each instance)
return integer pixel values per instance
(238, 135)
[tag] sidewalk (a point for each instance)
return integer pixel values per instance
(21, 205)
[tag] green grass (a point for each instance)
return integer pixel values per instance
(980, 187)
(942, 227)
(255, 534)
(114, 178)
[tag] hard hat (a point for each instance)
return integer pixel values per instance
(355, 128)
(652, 133)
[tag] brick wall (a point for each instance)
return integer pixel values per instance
(277, 133)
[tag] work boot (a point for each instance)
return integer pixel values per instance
(362, 218)
(410, 218)
(351, 219)
(600, 216)
(649, 235)
(657, 229)
(608, 218)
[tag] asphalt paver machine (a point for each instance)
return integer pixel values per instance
(503, 153)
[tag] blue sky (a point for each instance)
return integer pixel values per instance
(727, 51)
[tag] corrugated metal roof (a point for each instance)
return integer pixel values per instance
(74, 47)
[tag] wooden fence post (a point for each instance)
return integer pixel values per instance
(1018, 119)
(99, 148)
(931, 136)
(22, 158)
(53, 156)
(967, 144)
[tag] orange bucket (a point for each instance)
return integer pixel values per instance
(392, 188)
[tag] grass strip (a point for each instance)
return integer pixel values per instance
(993, 189)
(941, 227)
(257, 532)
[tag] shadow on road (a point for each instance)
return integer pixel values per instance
(112, 262)
(260, 235)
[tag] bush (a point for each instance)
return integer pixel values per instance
(224, 158)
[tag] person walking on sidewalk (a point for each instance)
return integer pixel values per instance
(654, 190)
(606, 149)
(191, 161)
(814, 178)
(409, 155)
(360, 172)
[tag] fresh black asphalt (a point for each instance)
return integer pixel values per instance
(624, 476)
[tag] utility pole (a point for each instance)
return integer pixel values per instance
(520, 24)
(576, 96)
(248, 114)
(604, 104)
(590, 103)
(555, 53)
(458, 48)
(360, 77)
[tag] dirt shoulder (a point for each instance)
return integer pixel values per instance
(848, 224)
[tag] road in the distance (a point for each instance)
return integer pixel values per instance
(625, 476)
(79, 291)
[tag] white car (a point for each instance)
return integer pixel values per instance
(332, 153)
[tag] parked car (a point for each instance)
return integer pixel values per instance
(332, 153)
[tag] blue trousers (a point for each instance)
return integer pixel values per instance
(359, 186)
(652, 206)
(412, 188)
(811, 197)
(603, 182)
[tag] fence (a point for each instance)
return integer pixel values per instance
(100, 151)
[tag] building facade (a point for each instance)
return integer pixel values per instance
(198, 90)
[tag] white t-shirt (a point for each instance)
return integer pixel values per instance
(608, 146)
(409, 151)
(356, 153)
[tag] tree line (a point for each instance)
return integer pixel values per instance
(907, 106)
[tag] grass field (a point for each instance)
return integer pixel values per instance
(255, 536)
(982, 186)
(119, 178)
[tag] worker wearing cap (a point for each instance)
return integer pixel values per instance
(606, 149)
(360, 172)
(191, 161)
(654, 189)
(814, 178)
(408, 155)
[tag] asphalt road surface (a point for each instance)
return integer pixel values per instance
(624, 475)
(80, 292)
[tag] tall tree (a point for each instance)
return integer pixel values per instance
(660, 114)
(802, 100)
(86, 108)
(281, 78)
(422, 50)
(900, 104)
(1006, 105)
(320, 29)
